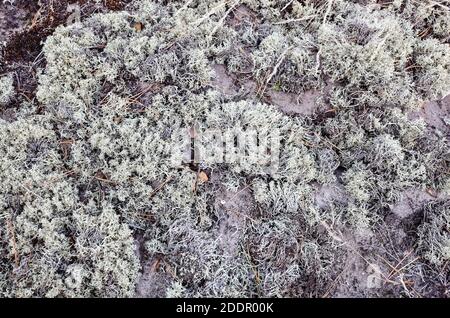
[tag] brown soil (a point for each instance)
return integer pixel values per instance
(434, 114)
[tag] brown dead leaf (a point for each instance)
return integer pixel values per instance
(432, 193)
(203, 177)
(117, 119)
(138, 26)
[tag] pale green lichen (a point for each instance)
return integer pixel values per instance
(434, 233)
(6, 89)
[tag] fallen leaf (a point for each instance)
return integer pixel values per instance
(138, 26)
(117, 119)
(432, 193)
(203, 177)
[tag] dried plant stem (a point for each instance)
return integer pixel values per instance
(12, 236)
(296, 20)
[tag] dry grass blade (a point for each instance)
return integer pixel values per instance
(161, 186)
(296, 20)
(12, 236)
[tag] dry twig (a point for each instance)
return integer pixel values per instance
(12, 236)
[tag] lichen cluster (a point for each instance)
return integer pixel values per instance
(88, 190)
(6, 89)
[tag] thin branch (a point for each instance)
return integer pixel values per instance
(211, 12)
(274, 71)
(296, 20)
(330, 5)
(286, 6)
(220, 23)
(160, 186)
(12, 236)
